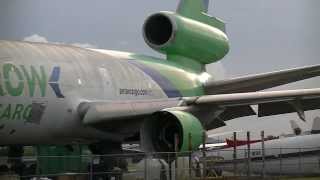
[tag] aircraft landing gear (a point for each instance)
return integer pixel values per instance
(4, 169)
(15, 164)
(15, 153)
(109, 162)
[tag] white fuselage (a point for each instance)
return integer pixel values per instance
(42, 86)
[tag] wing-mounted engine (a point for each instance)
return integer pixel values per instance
(199, 39)
(159, 133)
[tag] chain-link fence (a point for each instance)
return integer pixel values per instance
(164, 166)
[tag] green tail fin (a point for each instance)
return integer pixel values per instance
(192, 7)
(197, 10)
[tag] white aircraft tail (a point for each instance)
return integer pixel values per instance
(316, 126)
(295, 127)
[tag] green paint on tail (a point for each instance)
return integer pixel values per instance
(197, 10)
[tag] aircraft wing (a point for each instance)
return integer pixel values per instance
(261, 81)
(102, 112)
(251, 98)
(269, 103)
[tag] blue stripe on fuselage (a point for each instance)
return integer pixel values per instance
(163, 82)
(53, 82)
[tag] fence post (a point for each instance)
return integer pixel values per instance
(204, 138)
(190, 156)
(280, 155)
(170, 166)
(145, 166)
(235, 153)
(263, 155)
(176, 149)
(248, 154)
(91, 166)
(300, 167)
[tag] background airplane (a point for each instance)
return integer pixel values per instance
(286, 155)
(297, 130)
(67, 95)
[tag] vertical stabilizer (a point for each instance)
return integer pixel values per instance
(206, 5)
(197, 10)
(295, 128)
(316, 126)
(192, 8)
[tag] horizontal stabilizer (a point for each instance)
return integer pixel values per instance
(316, 126)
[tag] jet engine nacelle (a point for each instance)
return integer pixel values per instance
(159, 133)
(173, 34)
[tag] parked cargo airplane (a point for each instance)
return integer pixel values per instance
(59, 94)
(291, 155)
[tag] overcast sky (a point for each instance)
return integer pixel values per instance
(265, 35)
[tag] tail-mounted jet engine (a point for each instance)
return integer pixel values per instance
(173, 34)
(160, 133)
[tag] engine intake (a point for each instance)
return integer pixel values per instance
(158, 30)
